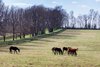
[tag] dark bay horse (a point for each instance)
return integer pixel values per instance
(14, 49)
(65, 49)
(57, 50)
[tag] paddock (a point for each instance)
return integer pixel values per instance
(37, 53)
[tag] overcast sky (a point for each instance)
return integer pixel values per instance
(78, 6)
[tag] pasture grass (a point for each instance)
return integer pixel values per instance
(37, 53)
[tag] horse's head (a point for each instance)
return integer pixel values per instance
(77, 49)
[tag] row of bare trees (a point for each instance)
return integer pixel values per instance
(87, 21)
(32, 20)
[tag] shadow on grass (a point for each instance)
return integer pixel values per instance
(31, 39)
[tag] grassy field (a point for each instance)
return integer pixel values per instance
(37, 53)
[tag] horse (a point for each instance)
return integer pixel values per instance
(14, 49)
(57, 50)
(72, 51)
(65, 49)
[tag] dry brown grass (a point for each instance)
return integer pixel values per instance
(38, 53)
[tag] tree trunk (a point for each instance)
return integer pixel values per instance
(4, 38)
(51, 30)
(13, 37)
(23, 35)
(20, 36)
(13, 32)
(16, 36)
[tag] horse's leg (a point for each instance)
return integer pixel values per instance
(56, 52)
(72, 53)
(68, 52)
(59, 52)
(63, 50)
(75, 53)
(53, 52)
(14, 51)
(11, 51)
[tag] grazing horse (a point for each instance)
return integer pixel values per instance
(15, 49)
(65, 49)
(57, 50)
(72, 51)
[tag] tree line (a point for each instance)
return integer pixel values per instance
(86, 21)
(32, 20)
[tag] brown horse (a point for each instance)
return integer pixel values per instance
(72, 51)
